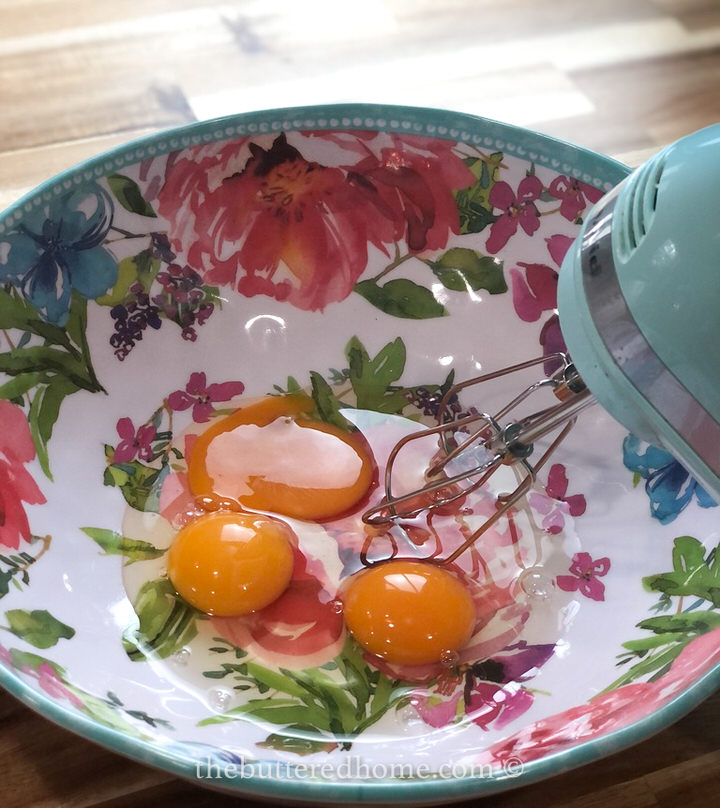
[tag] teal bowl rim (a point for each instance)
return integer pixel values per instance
(544, 150)
(398, 792)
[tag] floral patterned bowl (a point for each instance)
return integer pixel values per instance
(365, 254)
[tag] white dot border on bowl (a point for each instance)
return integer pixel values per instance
(214, 131)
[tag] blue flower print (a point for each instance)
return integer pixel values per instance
(58, 248)
(213, 757)
(667, 483)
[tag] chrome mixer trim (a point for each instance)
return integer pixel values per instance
(632, 353)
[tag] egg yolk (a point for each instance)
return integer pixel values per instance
(409, 612)
(230, 564)
(270, 456)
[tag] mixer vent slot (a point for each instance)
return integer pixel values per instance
(637, 208)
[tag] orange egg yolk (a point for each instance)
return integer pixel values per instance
(230, 564)
(409, 612)
(270, 456)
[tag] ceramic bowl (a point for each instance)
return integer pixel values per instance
(366, 255)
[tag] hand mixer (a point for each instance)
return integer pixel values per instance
(639, 308)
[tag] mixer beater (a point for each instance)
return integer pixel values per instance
(473, 447)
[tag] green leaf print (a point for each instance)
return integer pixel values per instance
(38, 627)
(116, 544)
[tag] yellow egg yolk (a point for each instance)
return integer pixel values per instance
(270, 456)
(230, 564)
(409, 612)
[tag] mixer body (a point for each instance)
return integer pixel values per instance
(639, 303)
(639, 307)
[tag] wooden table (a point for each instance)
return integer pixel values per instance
(80, 76)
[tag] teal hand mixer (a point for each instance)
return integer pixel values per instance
(639, 308)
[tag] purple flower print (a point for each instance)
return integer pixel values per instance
(134, 443)
(200, 395)
(574, 196)
(489, 692)
(584, 576)
(516, 663)
(131, 318)
(184, 299)
(517, 209)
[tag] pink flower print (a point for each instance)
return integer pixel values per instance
(485, 704)
(514, 704)
(46, 674)
(551, 337)
(300, 630)
(435, 711)
(553, 504)
(201, 396)
(574, 196)
(603, 714)
(695, 660)
(516, 210)
(50, 682)
(585, 574)
(17, 485)
(134, 443)
(553, 512)
(491, 704)
(177, 503)
(552, 342)
(6, 657)
(412, 183)
(557, 486)
(533, 292)
(612, 710)
(558, 245)
(488, 693)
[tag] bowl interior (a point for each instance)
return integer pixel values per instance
(365, 257)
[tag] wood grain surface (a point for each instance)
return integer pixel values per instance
(80, 76)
